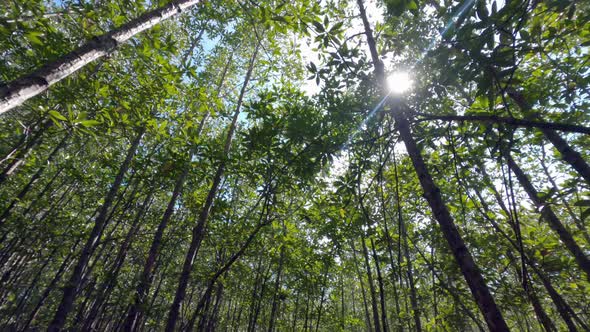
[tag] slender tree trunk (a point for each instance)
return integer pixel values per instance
(21, 89)
(322, 298)
(568, 154)
(544, 126)
(45, 189)
(19, 157)
(563, 200)
(451, 291)
(389, 242)
(258, 312)
(238, 318)
(24, 139)
(213, 319)
(254, 294)
(19, 308)
(470, 271)
(528, 290)
(12, 272)
(342, 308)
(32, 180)
(406, 249)
(166, 263)
(352, 304)
(371, 285)
(69, 292)
(295, 309)
(550, 217)
(199, 229)
(433, 280)
(256, 297)
(226, 267)
(110, 283)
(381, 287)
(363, 293)
(562, 307)
(145, 280)
(205, 309)
(306, 313)
(63, 267)
(275, 298)
(229, 313)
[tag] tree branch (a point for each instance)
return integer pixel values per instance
(508, 121)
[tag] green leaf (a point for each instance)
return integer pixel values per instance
(482, 10)
(312, 68)
(119, 20)
(336, 27)
(90, 123)
(412, 5)
(56, 115)
(33, 37)
(280, 19)
(318, 26)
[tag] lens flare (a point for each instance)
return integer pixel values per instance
(399, 82)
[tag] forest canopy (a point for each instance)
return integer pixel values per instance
(247, 165)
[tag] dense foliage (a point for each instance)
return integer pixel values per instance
(242, 165)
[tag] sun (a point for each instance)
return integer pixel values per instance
(399, 82)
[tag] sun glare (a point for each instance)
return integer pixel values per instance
(399, 82)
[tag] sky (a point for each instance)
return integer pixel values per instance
(374, 14)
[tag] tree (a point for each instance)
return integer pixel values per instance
(243, 167)
(21, 89)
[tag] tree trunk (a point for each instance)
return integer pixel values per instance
(470, 271)
(406, 249)
(69, 292)
(111, 281)
(45, 189)
(23, 88)
(257, 294)
(562, 307)
(24, 139)
(275, 298)
(550, 217)
(529, 291)
(213, 320)
(371, 285)
(389, 242)
(564, 201)
(63, 267)
(381, 287)
(34, 178)
(19, 157)
(226, 267)
(19, 308)
(568, 154)
(144, 285)
(306, 313)
(295, 309)
(363, 293)
(322, 298)
(199, 229)
(451, 291)
(342, 308)
(548, 127)
(145, 280)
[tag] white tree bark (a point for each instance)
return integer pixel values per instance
(28, 86)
